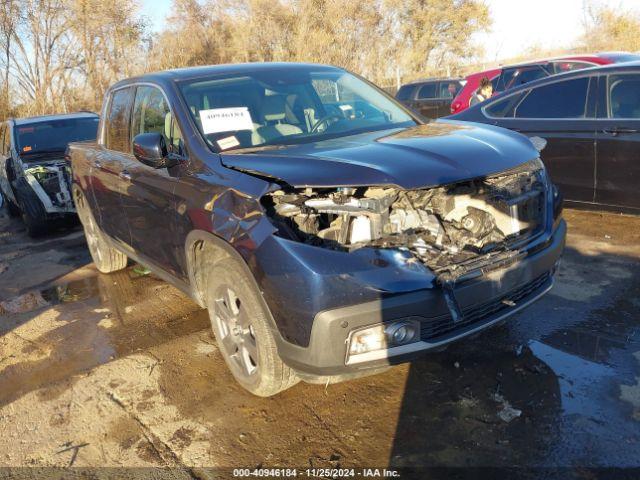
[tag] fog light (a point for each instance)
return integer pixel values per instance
(368, 340)
(383, 336)
(401, 333)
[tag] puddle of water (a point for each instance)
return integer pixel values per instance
(96, 320)
(69, 292)
(576, 377)
(73, 291)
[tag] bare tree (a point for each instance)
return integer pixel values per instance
(63, 54)
(9, 19)
(108, 34)
(42, 56)
(609, 28)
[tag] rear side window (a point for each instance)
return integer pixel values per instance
(559, 100)
(405, 92)
(117, 122)
(504, 108)
(624, 96)
(427, 91)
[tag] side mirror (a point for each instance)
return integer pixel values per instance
(151, 149)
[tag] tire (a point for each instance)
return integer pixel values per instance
(34, 215)
(240, 322)
(106, 258)
(12, 208)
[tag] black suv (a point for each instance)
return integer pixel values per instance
(34, 176)
(430, 98)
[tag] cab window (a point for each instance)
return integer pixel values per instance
(624, 96)
(151, 114)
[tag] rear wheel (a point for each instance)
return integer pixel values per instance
(106, 258)
(239, 319)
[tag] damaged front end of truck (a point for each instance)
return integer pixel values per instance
(453, 229)
(395, 247)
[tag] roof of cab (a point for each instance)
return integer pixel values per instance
(187, 73)
(49, 118)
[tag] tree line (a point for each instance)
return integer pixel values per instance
(61, 55)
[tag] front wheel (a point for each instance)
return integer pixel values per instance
(14, 210)
(106, 258)
(239, 319)
(33, 212)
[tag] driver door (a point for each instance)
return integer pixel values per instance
(148, 200)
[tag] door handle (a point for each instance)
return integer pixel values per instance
(617, 131)
(124, 175)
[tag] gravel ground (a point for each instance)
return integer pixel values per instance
(122, 370)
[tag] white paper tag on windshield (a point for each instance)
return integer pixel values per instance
(228, 142)
(230, 119)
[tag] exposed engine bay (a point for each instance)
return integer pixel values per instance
(50, 181)
(452, 229)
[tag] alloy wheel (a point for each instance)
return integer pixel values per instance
(237, 334)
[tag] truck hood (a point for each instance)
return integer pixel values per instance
(423, 156)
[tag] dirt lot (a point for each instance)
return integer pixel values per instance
(121, 370)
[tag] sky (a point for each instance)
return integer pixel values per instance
(517, 24)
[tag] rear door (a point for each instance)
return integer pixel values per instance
(562, 113)
(148, 200)
(618, 148)
(447, 90)
(108, 180)
(426, 101)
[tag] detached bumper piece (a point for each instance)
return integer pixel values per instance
(439, 328)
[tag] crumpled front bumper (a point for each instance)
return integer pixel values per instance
(484, 301)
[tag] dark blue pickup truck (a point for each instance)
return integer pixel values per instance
(327, 229)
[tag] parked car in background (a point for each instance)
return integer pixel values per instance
(34, 176)
(430, 98)
(505, 78)
(472, 82)
(591, 122)
(329, 235)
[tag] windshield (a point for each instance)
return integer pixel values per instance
(285, 107)
(54, 135)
